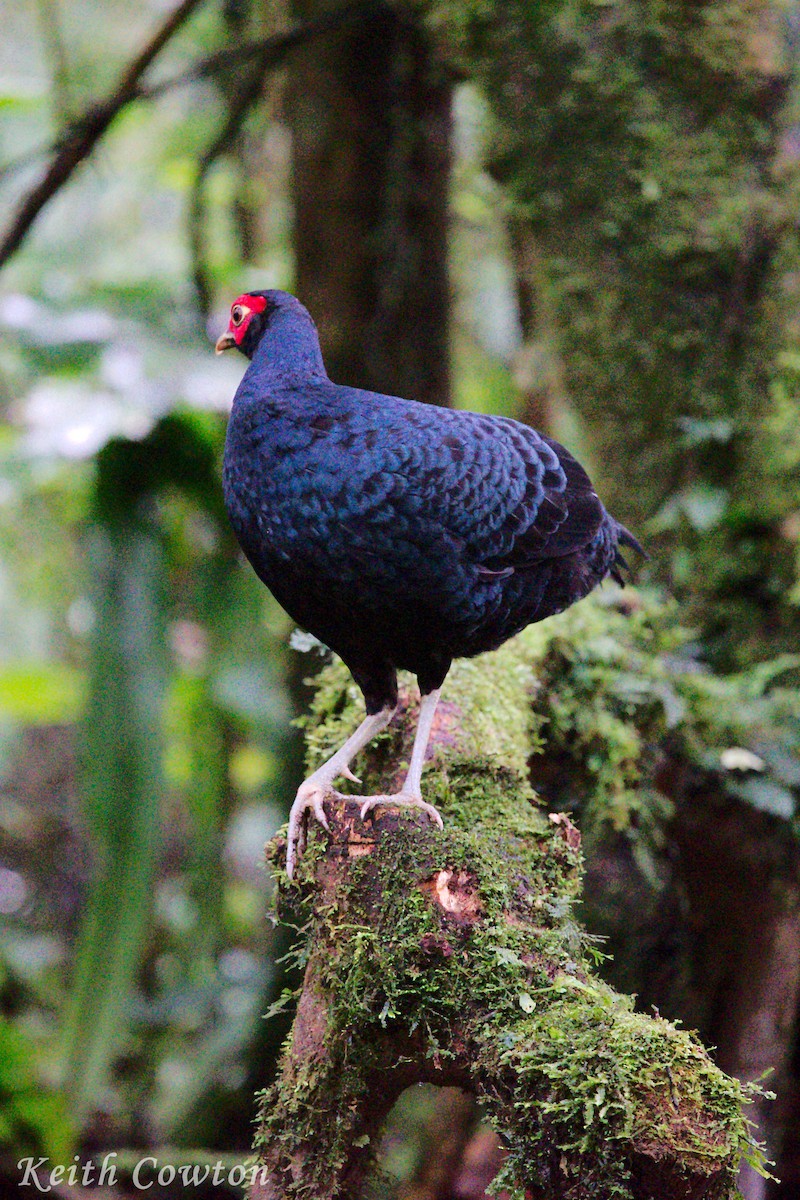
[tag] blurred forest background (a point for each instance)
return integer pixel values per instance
(582, 213)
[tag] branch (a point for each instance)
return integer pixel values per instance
(86, 131)
(272, 49)
(453, 958)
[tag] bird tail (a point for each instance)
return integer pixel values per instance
(624, 538)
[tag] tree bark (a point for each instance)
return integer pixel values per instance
(648, 156)
(371, 130)
(718, 946)
(740, 872)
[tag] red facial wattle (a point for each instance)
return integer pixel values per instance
(243, 309)
(250, 305)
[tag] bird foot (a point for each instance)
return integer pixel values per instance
(310, 795)
(403, 800)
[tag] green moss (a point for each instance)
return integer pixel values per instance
(338, 706)
(642, 149)
(583, 706)
(503, 986)
(559, 1061)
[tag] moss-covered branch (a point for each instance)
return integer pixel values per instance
(455, 958)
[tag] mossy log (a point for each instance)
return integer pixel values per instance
(454, 958)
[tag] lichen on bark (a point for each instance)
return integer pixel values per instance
(648, 153)
(455, 958)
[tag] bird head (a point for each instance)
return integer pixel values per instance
(249, 314)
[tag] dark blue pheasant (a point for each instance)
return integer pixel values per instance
(399, 534)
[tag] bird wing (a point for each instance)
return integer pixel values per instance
(512, 497)
(405, 479)
(350, 488)
(554, 512)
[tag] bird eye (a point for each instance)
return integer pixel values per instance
(237, 314)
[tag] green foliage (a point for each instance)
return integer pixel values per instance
(33, 1120)
(614, 684)
(41, 693)
(604, 691)
(133, 596)
(124, 793)
(641, 148)
(180, 453)
(198, 729)
(620, 690)
(636, 149)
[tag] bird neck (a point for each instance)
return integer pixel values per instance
(289, 347)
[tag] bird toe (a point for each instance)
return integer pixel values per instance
(402, 800)
(433, 813)
(311, 794)
(369, 804)
(319, 812)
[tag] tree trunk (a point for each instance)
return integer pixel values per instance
(645, 155)
(371, 129)
(650, 156)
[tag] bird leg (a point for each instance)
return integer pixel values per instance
(314, 790)
(410, 794)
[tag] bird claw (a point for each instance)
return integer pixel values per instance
(319, 813)
(310, 795)
(348, 774)
(402, 800)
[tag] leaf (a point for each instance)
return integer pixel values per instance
(703, 506)
(508, 958)
(123, 787)
(699, 432)
(32, 1119)
(42, 693)
(282, 1004)
(757, 679)
(304, 642)
(526, 1002)
(674, 705)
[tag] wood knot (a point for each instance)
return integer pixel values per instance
(456, 893)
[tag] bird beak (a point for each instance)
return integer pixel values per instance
(225, 342)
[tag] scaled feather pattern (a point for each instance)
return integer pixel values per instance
(400, 534)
